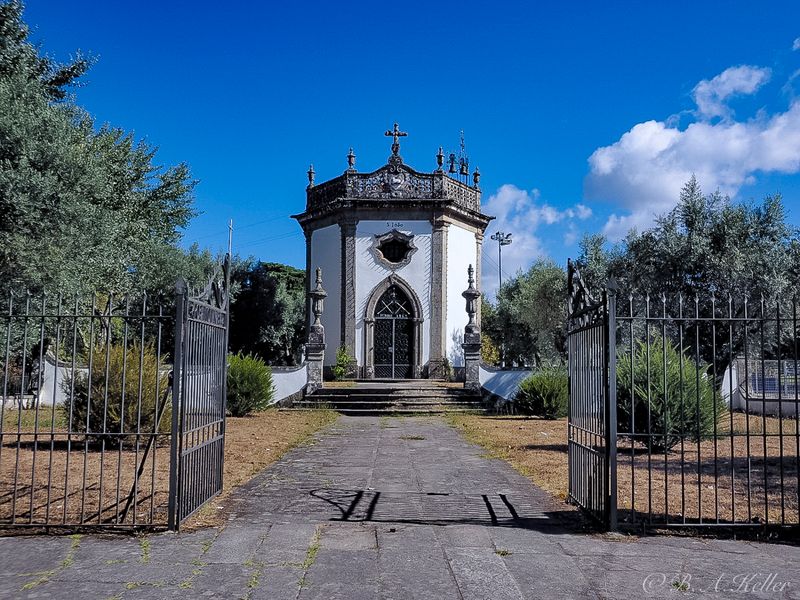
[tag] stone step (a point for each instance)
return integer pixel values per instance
(347, 405)
(360, 412)
(396, 394)
(392, 411)
(383, 397)
(366, 389)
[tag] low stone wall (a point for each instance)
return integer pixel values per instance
(502, 384)
(289, 383)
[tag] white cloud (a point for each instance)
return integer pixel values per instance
(643, 172)
(796, 44)
(520, 213)
(710, 95)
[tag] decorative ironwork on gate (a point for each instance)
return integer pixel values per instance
(201, 350)
(591, 426)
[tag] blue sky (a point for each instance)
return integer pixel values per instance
(583, 117)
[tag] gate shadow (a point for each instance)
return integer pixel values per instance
(437, 508)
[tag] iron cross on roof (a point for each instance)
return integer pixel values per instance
(394, 134)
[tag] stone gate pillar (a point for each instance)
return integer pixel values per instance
(315, 348)
(472, 337)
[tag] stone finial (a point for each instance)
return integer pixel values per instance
(310, 174)
(439, 160)
(472, 337)
(476, 177)
(471, 295)
(318, 295)
(351, 161)
(315, 348)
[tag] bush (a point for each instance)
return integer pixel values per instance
(345, 365)
(250, 387)
(544, 393)
(683, 408)
(113, 408)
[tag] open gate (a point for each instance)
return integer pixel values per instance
(592, 423)
(198, 419)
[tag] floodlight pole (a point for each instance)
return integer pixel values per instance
(502, 239)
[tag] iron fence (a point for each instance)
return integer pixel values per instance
(84, 423)
(684, 412)
(95, 431)
(708, 411)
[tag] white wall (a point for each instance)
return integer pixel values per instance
(370, 272)
(288, 381)
(326, 252)
(462, 251)
(502, 383)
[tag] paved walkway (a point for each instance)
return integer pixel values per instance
(393, 508)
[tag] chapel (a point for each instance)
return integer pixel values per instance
(394, 246)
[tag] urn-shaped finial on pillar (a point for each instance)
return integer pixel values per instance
(318, 296)
(315, 348)
(472, 336)
(471, 294)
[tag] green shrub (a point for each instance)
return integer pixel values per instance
(544, 393)
(682, 401)
(344, 367)
(109, 406)
(250, 387)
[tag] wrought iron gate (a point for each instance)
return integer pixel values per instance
(198, 420)
(394, 334)
(592, 427)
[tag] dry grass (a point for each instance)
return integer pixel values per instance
(674, 488)
(41, 477)
(743, 476)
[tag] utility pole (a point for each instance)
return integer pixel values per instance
(230, 239)
(502, 239)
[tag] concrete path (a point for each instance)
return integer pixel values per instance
(394, 508)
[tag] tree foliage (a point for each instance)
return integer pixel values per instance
(706, 244)
(528, 319)
(268, 314)
(81, 207)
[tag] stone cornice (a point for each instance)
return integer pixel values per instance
(378, 210)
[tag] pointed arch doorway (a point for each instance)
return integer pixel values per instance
(393, 332)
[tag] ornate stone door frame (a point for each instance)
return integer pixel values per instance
(369, 325)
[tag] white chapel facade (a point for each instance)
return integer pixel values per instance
(394, 246)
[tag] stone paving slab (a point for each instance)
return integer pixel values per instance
(394, 508)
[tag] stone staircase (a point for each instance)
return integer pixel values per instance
(393, 397)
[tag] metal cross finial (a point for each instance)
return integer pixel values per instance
(395, 133)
